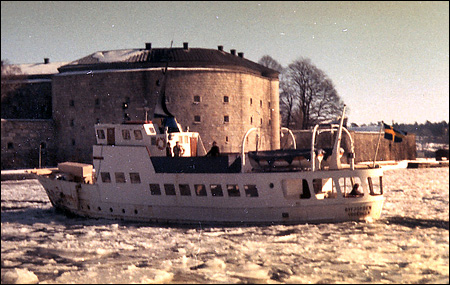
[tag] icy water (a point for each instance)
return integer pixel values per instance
(409, 244)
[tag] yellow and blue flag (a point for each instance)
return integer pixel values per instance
(392, 134)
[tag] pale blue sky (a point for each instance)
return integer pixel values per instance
(388, 60)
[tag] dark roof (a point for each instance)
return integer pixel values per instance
(158, 57)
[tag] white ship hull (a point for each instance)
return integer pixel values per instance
(278, 199)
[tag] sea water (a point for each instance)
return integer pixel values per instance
(408, 244)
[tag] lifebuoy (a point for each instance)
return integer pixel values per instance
(161, 143)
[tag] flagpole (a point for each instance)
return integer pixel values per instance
(378, 144)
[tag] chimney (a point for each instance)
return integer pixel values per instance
(241, 54)
(46, 60)
(233, 51)
(220, 48)
(185, 46)
(148, 46)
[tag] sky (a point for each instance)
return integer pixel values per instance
(388, 61)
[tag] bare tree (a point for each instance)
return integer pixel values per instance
(307, 95)
(269, 62)
(8, 72)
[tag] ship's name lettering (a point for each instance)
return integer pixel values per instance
(358, 211)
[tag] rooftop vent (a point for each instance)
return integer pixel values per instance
(148, 46)
(185, 45)
(241, 54)
(46, 60)
(220, 48)
(233, 51)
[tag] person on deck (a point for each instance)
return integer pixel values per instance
(214, 151)
(177, 150)
(168, 150)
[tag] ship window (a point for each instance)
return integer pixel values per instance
(226, 99)
(126, 134)
(251, 191)
(137, 134)
(154, 189)
(233, 190)
(101, 134)
(135, 178)
(106, 178)
(216, 190)
(185, 190)
(375, 186)
(200, 189)
(120, 177)
(169, 189)
(324, 188)
(350, 186)
(306, 194)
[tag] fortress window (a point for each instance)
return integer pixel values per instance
(71, 103)
(196, 99)
(10, 145)
(261, 121)
(72, 122)
(197, 119)
(226, 99)
(251, 120)
(226, 119)
(260, 103)
(73, 141)
(97, 102)
(251, 101)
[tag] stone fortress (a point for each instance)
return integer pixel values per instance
(219, 94)
(49, 117)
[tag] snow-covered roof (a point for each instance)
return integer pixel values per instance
(39, 68)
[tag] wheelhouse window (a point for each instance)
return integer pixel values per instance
(233, 190)
(120, 177)
(155, 189)
(351, 186)
(375, 185)
(137, 134)
(135, 178)
(106, 178)
(126, 134)
(101, 134)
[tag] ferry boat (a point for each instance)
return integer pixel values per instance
(133, 179)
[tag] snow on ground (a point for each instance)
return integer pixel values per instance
(409, 244)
